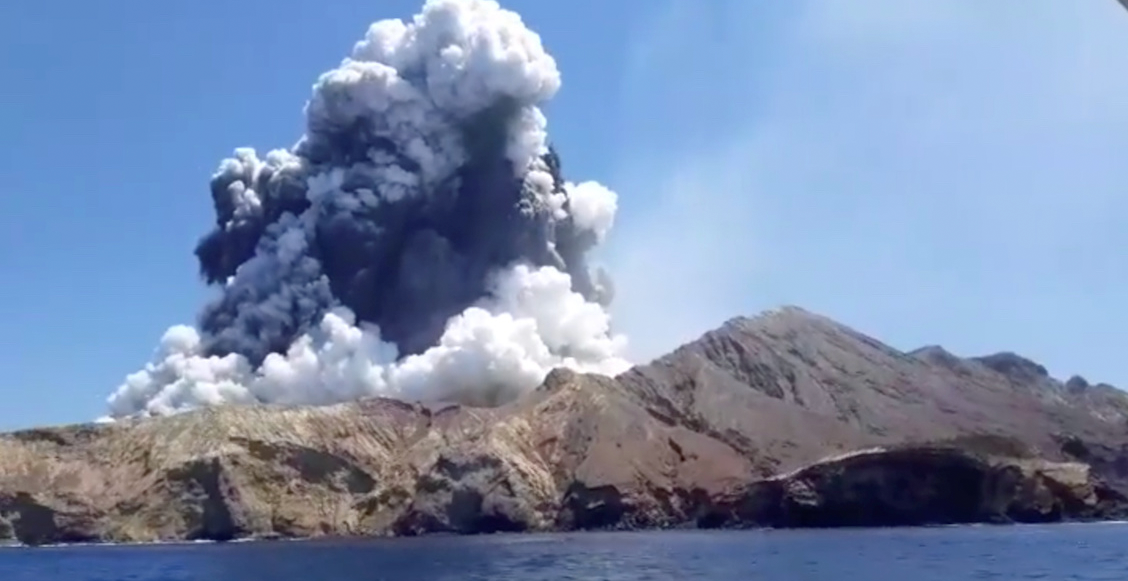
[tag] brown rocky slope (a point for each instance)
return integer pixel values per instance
(786, 419)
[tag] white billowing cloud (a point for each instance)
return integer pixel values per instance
(592, 206)
(533, 322)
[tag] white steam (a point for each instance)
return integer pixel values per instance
(593, 206)
(412, 83)
(489, 353)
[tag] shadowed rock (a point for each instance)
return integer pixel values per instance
(919, 486)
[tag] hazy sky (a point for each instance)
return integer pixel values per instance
(928, 172)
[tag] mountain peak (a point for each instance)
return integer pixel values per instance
(1015, 367)
(936, 355)
(788, 385)
(1077, 384)
(782, 312)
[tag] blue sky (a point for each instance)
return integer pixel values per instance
(928, 172)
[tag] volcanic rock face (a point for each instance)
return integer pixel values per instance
(786, 419)
(576, 453)
(919, 486)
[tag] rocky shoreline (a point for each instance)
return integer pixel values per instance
(783, 421)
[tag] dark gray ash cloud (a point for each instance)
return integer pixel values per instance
(418, 241)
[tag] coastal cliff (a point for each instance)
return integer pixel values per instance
(920, 486)
(786, 420)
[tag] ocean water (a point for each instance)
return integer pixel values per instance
(1061, 552)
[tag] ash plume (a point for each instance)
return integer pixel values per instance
(418, 241)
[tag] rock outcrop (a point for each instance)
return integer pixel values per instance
(734, 429)
(920, 486)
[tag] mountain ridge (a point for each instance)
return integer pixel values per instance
(807, 360)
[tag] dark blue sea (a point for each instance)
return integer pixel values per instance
(1062, 552)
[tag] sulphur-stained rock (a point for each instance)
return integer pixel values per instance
(785, 419)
